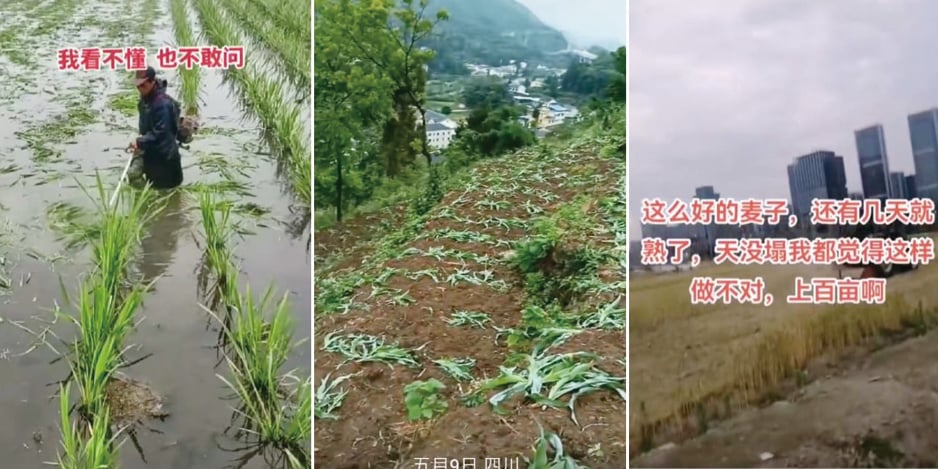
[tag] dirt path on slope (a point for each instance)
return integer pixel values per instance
(879, 411)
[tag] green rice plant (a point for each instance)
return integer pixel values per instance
(299, 425)
(85, 446)
(189, 77)
(294, 16)
(103, 322)
(273, 411)
(217, 235)
(301, 179)
(106, 307)
(363, 348)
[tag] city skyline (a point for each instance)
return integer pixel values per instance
(731, 92)
(822, 173)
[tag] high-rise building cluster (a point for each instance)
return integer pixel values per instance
(821, 175)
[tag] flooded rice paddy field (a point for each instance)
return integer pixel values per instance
(57, 130)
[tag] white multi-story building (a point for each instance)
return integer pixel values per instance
(440, 130)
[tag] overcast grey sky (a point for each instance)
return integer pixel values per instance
(596, 22)
(728, 92)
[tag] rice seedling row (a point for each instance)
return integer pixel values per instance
(265, 99)
(189, 77)
(256, 338)
(293, 55)
(105, 316)
(294, 16)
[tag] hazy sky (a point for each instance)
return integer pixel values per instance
(600, 22)
(727, 93)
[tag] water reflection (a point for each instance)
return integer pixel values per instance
(161, 236)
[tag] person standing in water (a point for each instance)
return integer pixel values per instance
(156, 150)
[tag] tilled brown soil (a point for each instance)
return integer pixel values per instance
(350, 238)
(372, 429)
(879, 411)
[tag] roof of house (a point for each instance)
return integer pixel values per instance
(556, 107)
(436, 126)
(436, 116)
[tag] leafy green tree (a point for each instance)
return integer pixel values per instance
(390, 36)
(351, 98)
(616, 90)
(593, 79)
(446, 110)
(553, 85)
(485, 92)
(491, 132)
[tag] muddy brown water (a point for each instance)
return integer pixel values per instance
(173, 327)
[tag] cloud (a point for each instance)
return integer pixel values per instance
(727, 93)
(596, 22)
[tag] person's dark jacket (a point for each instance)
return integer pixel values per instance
(157, 142)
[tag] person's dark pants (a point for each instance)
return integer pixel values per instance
(163, 173)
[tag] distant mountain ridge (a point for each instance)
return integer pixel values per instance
(492, 32)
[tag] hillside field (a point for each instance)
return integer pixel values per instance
(475, 330)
